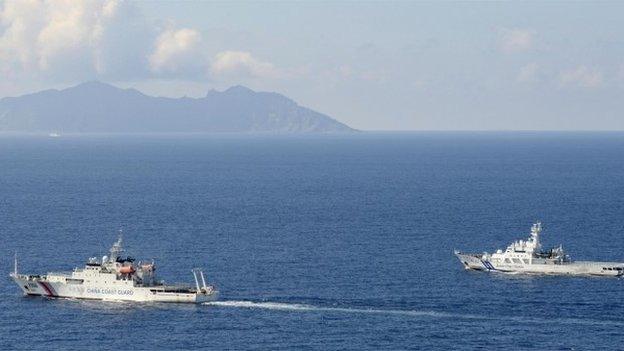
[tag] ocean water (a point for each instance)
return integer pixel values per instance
(333, 242)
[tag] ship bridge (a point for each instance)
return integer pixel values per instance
(529, 246)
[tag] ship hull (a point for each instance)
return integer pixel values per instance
(56, 289)
(580, 268)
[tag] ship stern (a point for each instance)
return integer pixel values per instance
(206, 295)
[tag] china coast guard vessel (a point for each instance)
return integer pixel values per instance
(114, 278)
(527, 256)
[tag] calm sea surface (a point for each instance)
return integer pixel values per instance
(337, 242)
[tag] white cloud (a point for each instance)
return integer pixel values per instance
(68, 40)
(516, 40)
(528, 73)
(242, 64)
(176, 51)
(124, 38)
(69, 32)
(582, 76)
(61, 38)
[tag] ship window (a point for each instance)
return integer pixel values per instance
(525, 261)
(507, 260)
(516, 260)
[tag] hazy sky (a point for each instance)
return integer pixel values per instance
(375, 65)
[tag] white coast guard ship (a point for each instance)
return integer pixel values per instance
(526, 256)
(114, 278)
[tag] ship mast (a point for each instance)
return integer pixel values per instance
(116, 249)
(536, 229)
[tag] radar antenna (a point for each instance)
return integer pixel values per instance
(116, 249)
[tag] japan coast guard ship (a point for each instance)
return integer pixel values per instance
(114, 278)
(526, 256)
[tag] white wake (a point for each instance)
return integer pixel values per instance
(297, 307)
(263, 305)
(310, 308)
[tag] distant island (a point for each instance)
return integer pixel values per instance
(96, 107)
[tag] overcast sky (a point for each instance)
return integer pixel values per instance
(374, 66)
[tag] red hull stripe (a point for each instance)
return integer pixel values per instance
(52, 290)
(48, 289)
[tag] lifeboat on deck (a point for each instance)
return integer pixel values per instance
(126, 269)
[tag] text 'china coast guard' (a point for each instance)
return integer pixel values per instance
(114, 278)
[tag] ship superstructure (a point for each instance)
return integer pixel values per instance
(114, 278)
(527, 256)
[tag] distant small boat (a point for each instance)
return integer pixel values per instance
(54, 135)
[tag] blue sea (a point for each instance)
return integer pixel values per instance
(330, 242)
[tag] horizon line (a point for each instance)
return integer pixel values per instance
(285, 133)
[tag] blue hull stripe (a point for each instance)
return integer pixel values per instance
(488, 265)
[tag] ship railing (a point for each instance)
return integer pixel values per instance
(61, 274)
(474, 254)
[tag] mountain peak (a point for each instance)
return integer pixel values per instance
(93, 85)
(97, 107)
(238, 89)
